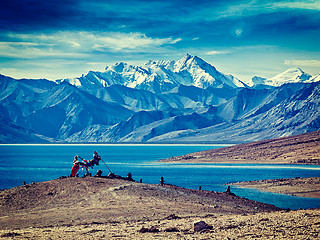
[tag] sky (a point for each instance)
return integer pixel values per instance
(56, 39)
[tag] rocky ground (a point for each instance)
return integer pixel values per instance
(99, 208)
(86, 200)
(302, 224)
(299, 149)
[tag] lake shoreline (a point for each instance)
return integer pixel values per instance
(299, 149)
(300, 187)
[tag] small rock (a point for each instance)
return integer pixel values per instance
(199, 226)
(143, 230)
(151, 229)
(172, 216)
(172, 229)
(10, 234)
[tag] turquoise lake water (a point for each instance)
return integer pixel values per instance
(19, 163)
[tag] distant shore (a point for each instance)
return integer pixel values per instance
(121, 144)
(300, 187)
(299, 149)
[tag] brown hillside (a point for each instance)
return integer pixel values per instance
(299, 149)
(89, 200)
(98, 208)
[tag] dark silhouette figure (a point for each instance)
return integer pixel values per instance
(161, 181)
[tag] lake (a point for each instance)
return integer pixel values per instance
(19, 163)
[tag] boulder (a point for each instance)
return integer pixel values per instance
(199, 226)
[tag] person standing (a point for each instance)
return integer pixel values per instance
(75, 167)
(96, 158)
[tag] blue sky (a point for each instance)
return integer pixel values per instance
(58, 39)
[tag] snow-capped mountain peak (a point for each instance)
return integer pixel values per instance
(291, 75)
(159, 101)
(118, 67)
(188, 62)
(204, 74)
(158, 76)
(194, 71)
(183, 63)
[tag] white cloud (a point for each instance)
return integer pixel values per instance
(176, 40)
(69, 54)
(80, 43)
(32, 50)
(301, 63)
(217, 52)
(306, 4)
(8, 70)
(255, 7)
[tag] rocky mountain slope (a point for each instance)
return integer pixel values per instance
(187, 100)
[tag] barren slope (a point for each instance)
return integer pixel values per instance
(299, 149)
(73, 201)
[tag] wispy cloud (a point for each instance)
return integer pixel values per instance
(65, 43)
(303, 63)
(27, 50)
(306, 4)
(176, 40)
(217, 52)
(69, 53)
(256, 7)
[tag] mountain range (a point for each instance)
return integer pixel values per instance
(187, 100)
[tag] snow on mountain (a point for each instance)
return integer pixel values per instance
(193, 71)
(158, 76)
(184, 100)
(314, 79)
(94, 80)
(292, 75)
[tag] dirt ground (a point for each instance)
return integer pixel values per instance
(302, 224)
(299, 149)
(98, 208)
(86, 200)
